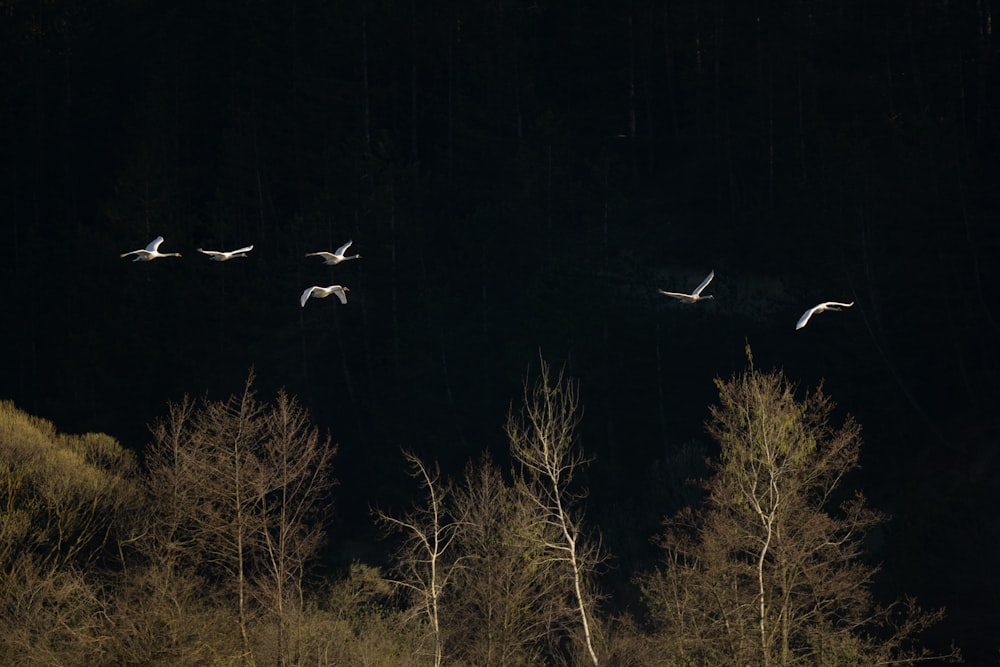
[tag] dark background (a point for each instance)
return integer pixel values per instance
(520, 178)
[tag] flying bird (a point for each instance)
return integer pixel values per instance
(819, 308)
(323, 292)
(219, 256)
(695, 295)
(150, 252)
(335, 257)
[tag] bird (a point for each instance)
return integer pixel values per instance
(335, 257)
(819, 308)
(323, 292)
(150, 252)
(218, 256)
(695, 295)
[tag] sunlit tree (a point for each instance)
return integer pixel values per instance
(543, 445)
(236, 487)
(507, 599)
(67, 503)
(771, 571)
(426, 561)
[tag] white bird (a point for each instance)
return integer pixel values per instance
(695, 295)
(819, 308)
(335, 257)
(323, 292)
(219, 256)
(150, 252)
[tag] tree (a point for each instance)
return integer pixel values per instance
(67, 502)
(771, 571)
(506, 597)
(66, 498)
(426, 561)
(542, 443)
(296, 464)
(236, 487)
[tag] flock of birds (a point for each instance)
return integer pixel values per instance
(152, 251)
(697, 296)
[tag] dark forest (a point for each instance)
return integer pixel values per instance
(520, 179)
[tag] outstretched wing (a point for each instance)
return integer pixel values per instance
(154, 244)
(210, 253)
(341, 294)
(704, 283)
(804, 320)
(246, 249)
(838, 304)
(305, 296)
(342, 249)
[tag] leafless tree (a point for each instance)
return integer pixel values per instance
(506, 599)
(66, 501)
(236, 487)
(66, 498)
(771, 571)
(426, 560)
(295, 463)
(543, 444)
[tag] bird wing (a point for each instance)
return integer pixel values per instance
(704, 283)
(131, 252)
(318, 254)
(305, 296)
(676, 295)
(154, 244)
(342, 249)
(832, 304)
(804, 320)
(209, 252)
(246, 249)
(339, 291)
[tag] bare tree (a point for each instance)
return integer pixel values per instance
(51, 617)
(236, 486)
(66, 502)
(426, 564)
(771, 571)
(296, 463)
(224, 439)
(506, 599)
(543, 444)
(66, 498)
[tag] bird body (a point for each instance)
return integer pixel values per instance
(819, 308)
(335, 257)
(323, 292)
(150, 252)
(693, 296)
(220, 256)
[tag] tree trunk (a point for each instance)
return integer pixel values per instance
(570, 538)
